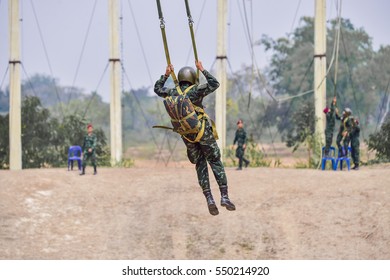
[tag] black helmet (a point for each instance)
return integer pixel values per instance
(187, 74)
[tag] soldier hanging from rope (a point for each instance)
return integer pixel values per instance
(201, 146)
(188, 118)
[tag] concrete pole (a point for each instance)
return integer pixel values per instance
(220, 98)
(320, 67)
(115, 84)
(15, 129)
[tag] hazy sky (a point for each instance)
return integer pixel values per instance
(64, 24)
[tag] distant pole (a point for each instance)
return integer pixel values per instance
(320, 66)
(115, 84)
(15, 129)
(220, 98)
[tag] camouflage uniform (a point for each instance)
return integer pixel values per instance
(241, 139)
(206, 150)
(345, 125)
(330, 124)
(355, 144)
(89, 143)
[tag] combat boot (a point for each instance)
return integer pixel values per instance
(94, 170)
(211, 203)
(225, 201)
(247, 163)
(356, 167)
(83, 171)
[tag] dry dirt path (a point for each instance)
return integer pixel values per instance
(160, 213)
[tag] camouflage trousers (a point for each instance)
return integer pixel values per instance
(355, 151)
(328, 141)
(342, 144)
(89, 156)
(240, 151)
(206, 150)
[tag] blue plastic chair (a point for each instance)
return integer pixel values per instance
(330, 156)
(74, 153)
(342, 158)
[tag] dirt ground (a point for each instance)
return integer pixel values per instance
(160, 213)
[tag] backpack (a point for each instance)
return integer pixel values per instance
(184, 117)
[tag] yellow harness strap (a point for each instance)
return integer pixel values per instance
(201, 115)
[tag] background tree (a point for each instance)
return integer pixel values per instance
(380, 142)
(290, 70)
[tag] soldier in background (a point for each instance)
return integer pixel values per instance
(89, 149)
(241, 140)
(330, 124)
(355, 143)
(206, 149)
(343, 136)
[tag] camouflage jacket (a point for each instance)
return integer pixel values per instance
(345, 125)
(89, 142)
(240, 137)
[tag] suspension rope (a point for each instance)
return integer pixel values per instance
(351, 80)
(158, 104)
(139, 105)
(140, 42)
(256, 128)
(82, 51)
(144, 116)
(47, 57)
(295, 17)
(164, 37)
(250, 47)
(196, 29)
(94, 92)
(4, 76)
(337, 46)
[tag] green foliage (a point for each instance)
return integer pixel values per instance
(37, 134)
(380, 142)
(126, 163)
(362, 73)
(4, 141)
(253, 153)
(256, 155)
(45, 140)
(4, 102)
(304, 125)
(303, 134)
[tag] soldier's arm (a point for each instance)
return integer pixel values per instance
(332, 108)
(209, 87)
(337, 115)
(159, 88)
